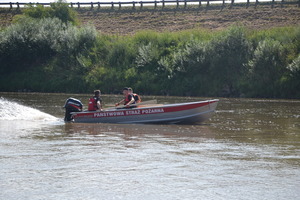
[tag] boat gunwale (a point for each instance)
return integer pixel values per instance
(149, 107)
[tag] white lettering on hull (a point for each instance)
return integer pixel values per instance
(133, 112)
(153, 110)
(108, 114)
(129, 112)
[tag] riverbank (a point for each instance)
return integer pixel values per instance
(127, 21)
(48, 55)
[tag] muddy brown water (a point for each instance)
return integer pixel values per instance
(250, 149)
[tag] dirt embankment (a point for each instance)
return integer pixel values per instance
(128, 21)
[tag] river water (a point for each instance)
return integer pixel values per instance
(250, 149)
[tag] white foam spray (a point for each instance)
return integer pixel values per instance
(10, 110)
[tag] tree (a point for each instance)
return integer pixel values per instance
(293, 87)
(228, 55)
(266, 69)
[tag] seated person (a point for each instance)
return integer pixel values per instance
(95, 102)
(128, 98)
(136, 97)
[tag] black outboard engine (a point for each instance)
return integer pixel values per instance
(72, 105)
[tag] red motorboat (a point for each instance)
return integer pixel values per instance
(181, 113)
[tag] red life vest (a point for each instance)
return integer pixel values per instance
(93, 104)
(128, 99)
(137, 98)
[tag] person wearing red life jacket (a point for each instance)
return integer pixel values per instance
(95, 102)
(128, 98)
(136, 97)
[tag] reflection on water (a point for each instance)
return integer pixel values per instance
(139, 130)
(248, 150)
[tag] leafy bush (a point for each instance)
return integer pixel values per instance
(47, 46)
(229, 53)
(59, 9)
(30, 41)
(292, 89)
(266, 68)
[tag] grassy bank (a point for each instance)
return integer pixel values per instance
(46, 54)
(128, 21)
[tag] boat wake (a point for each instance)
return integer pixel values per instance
(14, 111)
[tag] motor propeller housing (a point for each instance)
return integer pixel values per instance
(72, 105)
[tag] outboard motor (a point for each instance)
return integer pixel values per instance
(72, 105)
